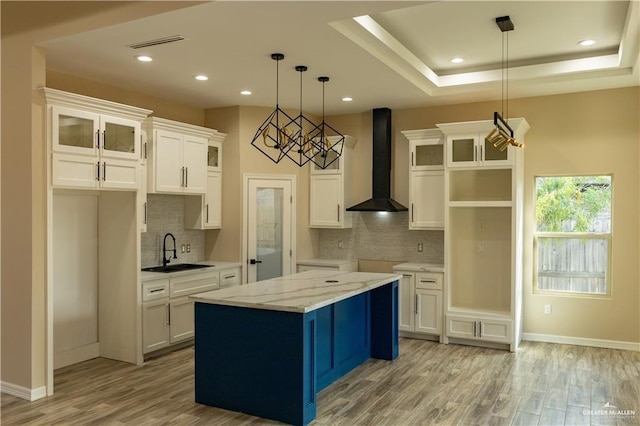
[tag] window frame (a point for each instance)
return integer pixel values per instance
(608, 236)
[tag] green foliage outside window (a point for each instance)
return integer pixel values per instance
(571, 204)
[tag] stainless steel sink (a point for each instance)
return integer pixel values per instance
(176, 268)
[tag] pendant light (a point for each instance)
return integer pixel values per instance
(274, 137)
(501, 136)
(328, 143)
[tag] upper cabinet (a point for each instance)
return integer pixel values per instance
(426, 178)
(178, 156)
(205, 212)
(94, 143)
(467, 147)
(329, 192)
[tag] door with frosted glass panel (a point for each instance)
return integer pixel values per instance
(269, 229)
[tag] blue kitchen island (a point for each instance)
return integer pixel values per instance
(267, 348)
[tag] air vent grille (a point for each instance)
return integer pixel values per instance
(156, 42)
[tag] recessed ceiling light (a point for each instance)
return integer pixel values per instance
(144, 58)
(245, 92)
(201, 77)
(347, 99)
(457, 60)
(587, 42)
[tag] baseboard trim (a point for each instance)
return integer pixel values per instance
(22, 392)
(581, 341)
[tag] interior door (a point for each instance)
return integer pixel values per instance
(269, 228)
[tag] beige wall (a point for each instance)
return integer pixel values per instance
(23, 226)
(240, 157)
(595, 132)
(160, 107)
(592, 132)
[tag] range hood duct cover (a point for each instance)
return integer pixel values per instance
(381, 170)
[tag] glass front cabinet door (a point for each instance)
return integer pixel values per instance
(473, 151)
(88, 133)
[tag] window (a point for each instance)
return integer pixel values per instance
(572, 236)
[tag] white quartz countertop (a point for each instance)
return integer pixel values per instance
(214, 266)
(301, 292)
(325, 262)
(419, 267)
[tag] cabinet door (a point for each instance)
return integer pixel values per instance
(74, 171)
(155, 325)
(214, 157)
(462, 151)
(494, 330)
(168, 169)
(74, 131)
(120, 138)
(427, 200)
(325, 205)
(142, 199)
(406, 303)
(461, 326)
(120, 174)
(195, 164)
(427, 155)
(213, 201)
(492, 156)
(428, 319)
(181, 319)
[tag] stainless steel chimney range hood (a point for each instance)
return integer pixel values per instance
(381, 170)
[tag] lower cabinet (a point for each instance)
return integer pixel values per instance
(479, 328)
(167, 310)
(420, 303)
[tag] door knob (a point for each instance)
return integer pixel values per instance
(254, 261)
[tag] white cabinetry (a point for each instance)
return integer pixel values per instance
(94, 143)
(155, 315)
(420, 303)
(230, 277)
(483, 238)
(167, 311)
(479, 328)
(327, 264)
(177, 156)
(426, 178)
(329, 194)
(206, 212)
(467, 147)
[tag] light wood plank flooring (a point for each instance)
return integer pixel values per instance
(429, 383)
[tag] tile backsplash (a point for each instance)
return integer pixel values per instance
(377, 236)
(165, 213)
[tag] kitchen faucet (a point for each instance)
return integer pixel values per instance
(166, 260)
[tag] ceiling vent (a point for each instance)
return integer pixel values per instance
(156, 42)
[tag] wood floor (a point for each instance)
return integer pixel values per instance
(429, 383)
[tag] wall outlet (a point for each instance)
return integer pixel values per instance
(420, 247)
(182, 248)
(547, 309)
(188, 248)
(480, 248)
(339, 243)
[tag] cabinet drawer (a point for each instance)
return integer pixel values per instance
(194, 283)
(429, 281)
(229, 278)
(154, 290)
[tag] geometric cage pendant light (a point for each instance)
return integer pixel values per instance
(299, 139)
(502, 136)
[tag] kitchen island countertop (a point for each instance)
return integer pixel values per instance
(302, 292)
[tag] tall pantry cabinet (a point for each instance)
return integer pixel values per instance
(94, 172)
(483, 235)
